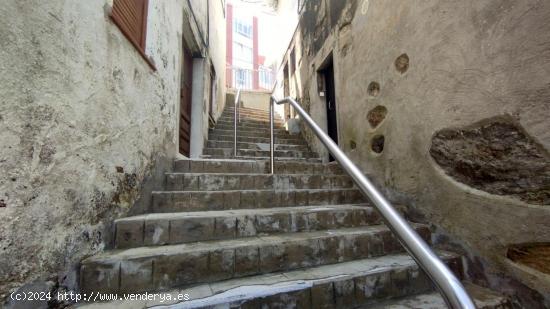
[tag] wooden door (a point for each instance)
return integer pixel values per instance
(185, 103)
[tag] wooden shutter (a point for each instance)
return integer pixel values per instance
(131, 17)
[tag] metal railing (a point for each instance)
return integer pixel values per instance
(447, 283)
(237, 118)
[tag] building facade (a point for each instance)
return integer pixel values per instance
(246, 68)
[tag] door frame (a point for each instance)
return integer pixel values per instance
(328, 67)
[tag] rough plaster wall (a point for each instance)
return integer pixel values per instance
(83, 119)
(217, 51)
(469, 60)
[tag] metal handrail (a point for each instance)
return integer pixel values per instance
(237, 116)
(449, 286)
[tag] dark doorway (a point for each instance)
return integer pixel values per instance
(330, 99)
(185, 102)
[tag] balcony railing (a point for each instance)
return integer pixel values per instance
(249, 79)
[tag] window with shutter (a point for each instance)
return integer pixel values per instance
(131, 17)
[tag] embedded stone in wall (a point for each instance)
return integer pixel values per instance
(402, 63)
(377, 115)
(377, 144)
(373, 89)
(497, 157)
(533, 255)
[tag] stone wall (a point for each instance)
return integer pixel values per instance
(84, 123)
(410, 74)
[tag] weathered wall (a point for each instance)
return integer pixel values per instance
(462, 63)
(206, 38)
(83, 121)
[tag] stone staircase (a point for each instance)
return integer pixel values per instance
(228, 235)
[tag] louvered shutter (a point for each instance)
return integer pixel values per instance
(131, 18)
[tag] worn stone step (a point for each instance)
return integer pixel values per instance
(186, 227)
(293, 139)
(295, 167)
(343, 285)
(483, 299)
(255, 146)
(249, 128)
(233, 181)
(248, 112)
(226, 121)
(219, 166)
(157, 268)
(228, 152)
(278, 134)
(176, 201)
(255, 166)
(277, 159)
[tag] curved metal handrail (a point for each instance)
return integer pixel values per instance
(448, 285)
(236, 116)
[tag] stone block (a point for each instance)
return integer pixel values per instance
(174, 182)
(136, 275)
(157, 232)
(247, 261)
(100, 277)
(231, 200)
(191, 229)
(181, 269)
(225, 227)
(301, 198)
(344, 293)
(274, 222)
(180, 201)
(248, 199)
(221, 264)
(246, 226)
(190, 182)
(322, 296)
(373, 286)
(265, 199)
(302, 253)
(272, 258)
(161, 202)
(129, 233)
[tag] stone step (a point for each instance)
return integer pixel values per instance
(343, 285)
(228, 152)
(186, 227)
(255, 166)
(219, 166)
(295, 167)
(227, 121)
(277, 159)
(233, 181)
(292, 140)
(176, 201)
(255, 146)
(157, 268)
(230, 110)
(483, 299)
(249, 128)
(278, 134)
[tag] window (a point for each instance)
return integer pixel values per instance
(243, 79)
(243, 28)
(131, 17)
(242, 53)
(266, 79)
